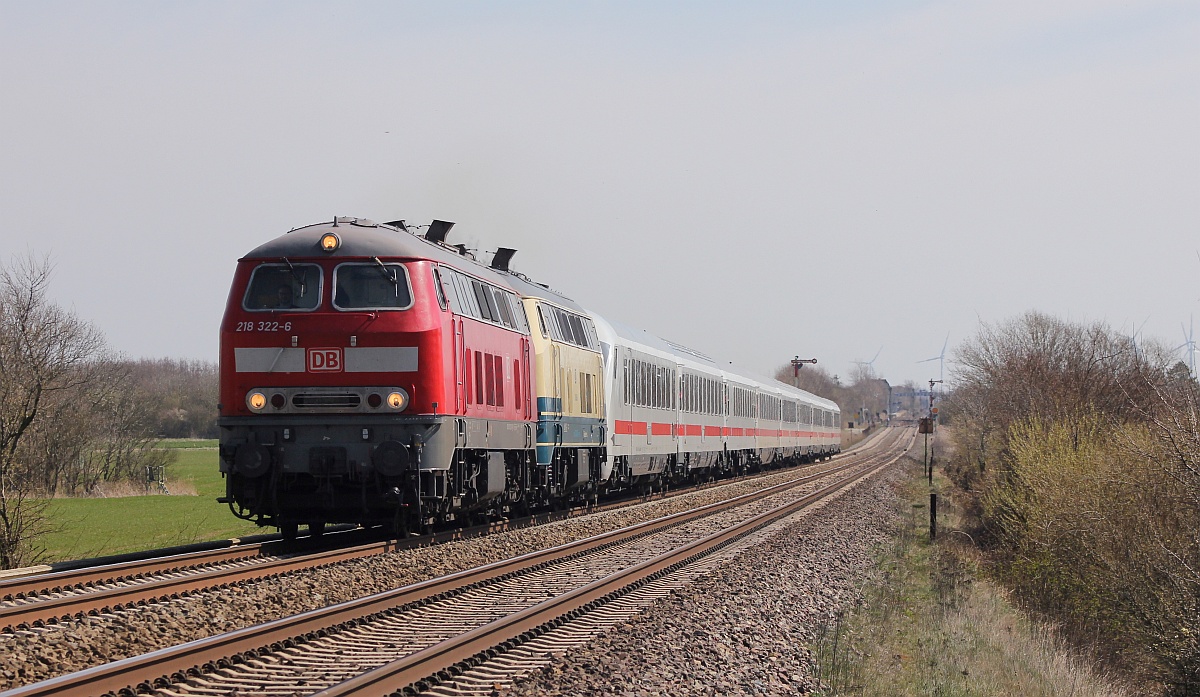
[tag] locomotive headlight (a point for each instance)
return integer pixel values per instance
(397, 400)
(330, 242)
(257, 401)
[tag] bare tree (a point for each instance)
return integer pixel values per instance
(1040, 367)
(1080, 452)
(184, 392)
(47, 353)
(865, 392)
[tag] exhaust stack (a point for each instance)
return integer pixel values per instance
(438, 230)
(501, 258)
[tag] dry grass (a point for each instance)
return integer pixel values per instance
(929, 625)
(125, 489)
(852, 436)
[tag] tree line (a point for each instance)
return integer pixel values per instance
(74, 416)
(1077, 453)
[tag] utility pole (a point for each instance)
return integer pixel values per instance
(932, 420)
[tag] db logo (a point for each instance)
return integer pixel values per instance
(324, 360)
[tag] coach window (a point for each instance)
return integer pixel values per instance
(568, 329)
(481, 301)
(577, 330)
(489, 369)
(505, 309)
(551, 322)
(441, 292)
(490, 297)
(478, 377)
(499, 360)
(467, 380)
(371, 286)
(556, 329)
(460, 296)
(518, 313)
(564, 326)
(589, 331)
(517, 384)
(283, 287)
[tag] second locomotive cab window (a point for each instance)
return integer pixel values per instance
(371, 286)
(283, 287)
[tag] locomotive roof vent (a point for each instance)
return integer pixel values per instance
(360, 222)
(438, 230)
(462, 249)
(397, 224)
(501, 258)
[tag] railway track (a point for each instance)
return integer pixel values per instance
(35, 601)
(467, 626)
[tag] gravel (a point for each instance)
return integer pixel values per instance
(40, 654)
(749, 627)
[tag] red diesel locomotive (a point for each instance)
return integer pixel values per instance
(351, 390)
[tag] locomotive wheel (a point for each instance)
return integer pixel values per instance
(316, 529)
(289, 530)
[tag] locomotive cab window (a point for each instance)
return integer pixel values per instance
(371, 286)
(283, 287)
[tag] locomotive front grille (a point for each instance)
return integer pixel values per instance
(326, 400)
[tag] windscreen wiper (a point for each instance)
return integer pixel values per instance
(389, 275)
(296, 275)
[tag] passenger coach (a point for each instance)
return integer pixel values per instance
(676, 414)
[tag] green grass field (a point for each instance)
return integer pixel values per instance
(98, 527)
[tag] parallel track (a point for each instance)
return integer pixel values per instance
(448, 625)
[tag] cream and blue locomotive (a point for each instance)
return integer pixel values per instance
(568, 367)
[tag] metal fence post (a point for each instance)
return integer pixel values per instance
(932, 516)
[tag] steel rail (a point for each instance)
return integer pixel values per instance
(426, 668)
(159, 667)
(138, 589)
(57, 581)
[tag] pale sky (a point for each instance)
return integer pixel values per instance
(755, 180)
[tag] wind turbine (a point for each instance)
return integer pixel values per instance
(871, 363)
(1136, 339)
(1189, 343)
(941, 359)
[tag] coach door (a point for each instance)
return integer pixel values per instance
(622, 403)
